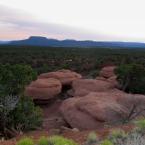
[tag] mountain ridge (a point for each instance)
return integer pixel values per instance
(43, 41)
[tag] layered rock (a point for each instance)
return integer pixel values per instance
(44, 89)
(64, 76)
(83, 87)
(107, 72)
(97, 109)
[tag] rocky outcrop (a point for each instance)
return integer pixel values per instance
(113, 81)
(44, 89)
(83, 87)
(64, 76)
(95, 102)
(107, 72)
(97, 109)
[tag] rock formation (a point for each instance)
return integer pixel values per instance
(83, 87)
(94, 102)
(95, 110)
(44, 89)
(65, 76)
(107, 71)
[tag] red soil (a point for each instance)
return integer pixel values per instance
(79, 137)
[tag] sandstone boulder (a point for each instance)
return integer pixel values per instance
(95, 110)
(65, 76)
(82, 87)
(90, 112)
(101, 78)
(107, 72)
(44, 88)
(113, 81)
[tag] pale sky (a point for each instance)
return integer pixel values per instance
(101, 20)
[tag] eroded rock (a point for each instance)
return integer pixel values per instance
(107, 72)
(83, 87)
(44, 89)
(95, 110)
(64, 76)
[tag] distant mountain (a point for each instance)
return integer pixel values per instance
(4, 42)
(43, 41)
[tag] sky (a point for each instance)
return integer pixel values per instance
(100, 20)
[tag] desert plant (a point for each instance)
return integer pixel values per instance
(91, 139)
(7, 104)
(25, 141)
(16, 111)
(43, 141)
(134, 138)
(106, 142)
(140, 123)
(59, 140)
(117, 134)
(26, 115)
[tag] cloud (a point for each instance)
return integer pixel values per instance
(17, 24)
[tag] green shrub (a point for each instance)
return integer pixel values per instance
(14, 78)
(106, 142)
(92, 139)
(25, 141)
(17, 111)
(59, 140)
(141, 124)
(117, 133)
(43, 141)
(135, 137)
(26, 116)
(131, 78)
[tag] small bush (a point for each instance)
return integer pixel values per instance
(16, 110)
(25, 141)
(141, 124)
(133, 138)
(26, 116)
(59, 140)
(92, 139)
(117, 133)
(43, 141)
(106, 142)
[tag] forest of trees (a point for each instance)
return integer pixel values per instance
(84, 60)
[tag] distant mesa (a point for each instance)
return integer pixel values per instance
(4, 42)
(43, 41)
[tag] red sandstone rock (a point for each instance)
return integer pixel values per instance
(44, 88)
(101, 78)
(90, 112)
(83, 87)
(113, 81)
(65, 76)
(107, 72)
(95, 110)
